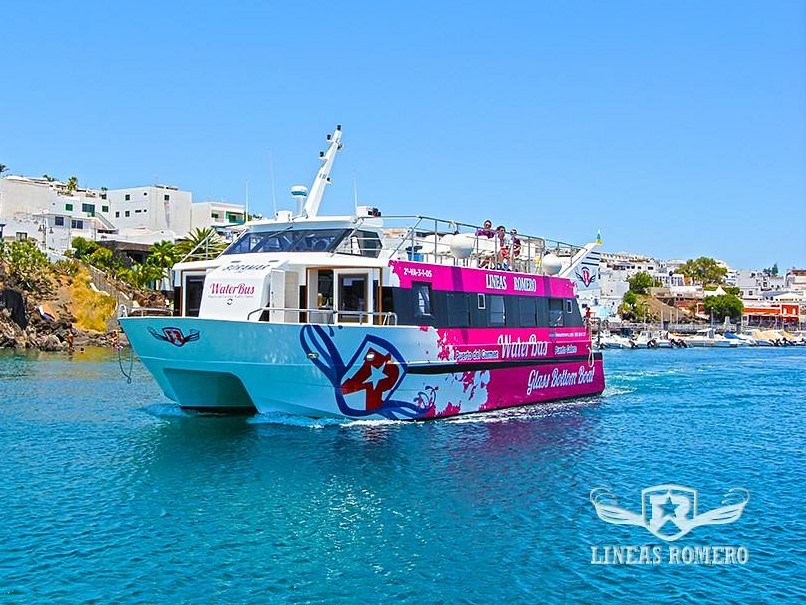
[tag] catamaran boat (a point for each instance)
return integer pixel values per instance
(367, 316)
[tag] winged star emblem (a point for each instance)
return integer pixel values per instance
(669, 511)
(366, 382)
(175, 336)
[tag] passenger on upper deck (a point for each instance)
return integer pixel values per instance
(502, 243)
(515, 243)
(487, 231)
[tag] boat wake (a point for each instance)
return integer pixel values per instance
(615, 391)
(167, 410)
(300, 421)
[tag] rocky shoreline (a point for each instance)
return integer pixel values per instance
(46, 335)
(52, 317)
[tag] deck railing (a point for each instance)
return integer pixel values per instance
(326, 316)
(132, 311)
(432, 239)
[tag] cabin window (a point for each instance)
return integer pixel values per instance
(527, 306)
(194, 288)
(286, 240)
(387, 299)
(556, 316)
(497, 313)
(370, 244)
(324, 289)
(569, 307)
(360, 243)
(352, 297)
(422, 299)
(482, 302)
(458, 309)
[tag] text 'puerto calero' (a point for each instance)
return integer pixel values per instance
(669, 512)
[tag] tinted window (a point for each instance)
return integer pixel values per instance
(458, 309)
(528, 311)
(306, 240)
(495, 307)
(556, 315)
(422, 299)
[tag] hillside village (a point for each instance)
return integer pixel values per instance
(77, 298)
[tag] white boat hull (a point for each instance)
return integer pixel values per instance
(399, 372)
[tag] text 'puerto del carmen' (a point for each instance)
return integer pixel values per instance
(494, 281)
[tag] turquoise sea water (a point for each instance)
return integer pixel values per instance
(110, 494)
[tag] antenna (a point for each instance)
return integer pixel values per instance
(322, 178)
(273, 187)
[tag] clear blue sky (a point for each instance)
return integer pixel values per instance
(677, 128)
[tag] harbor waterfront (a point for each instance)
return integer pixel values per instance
(113, 494)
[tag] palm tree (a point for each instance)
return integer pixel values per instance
(72, 184)
(200, 243)
(141, 276)
(162, 255)
(3, 168)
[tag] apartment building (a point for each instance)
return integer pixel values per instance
(53, 213)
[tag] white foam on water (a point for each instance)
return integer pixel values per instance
(300, 421)
(167, 410)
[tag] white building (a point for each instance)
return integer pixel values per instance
(755, 284)
(53, 214)
(796, 280)
(50, 212)
(217, 214)
(159, 208)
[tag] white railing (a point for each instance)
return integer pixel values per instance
(330, 316)
(130, 311)
(434, 240)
